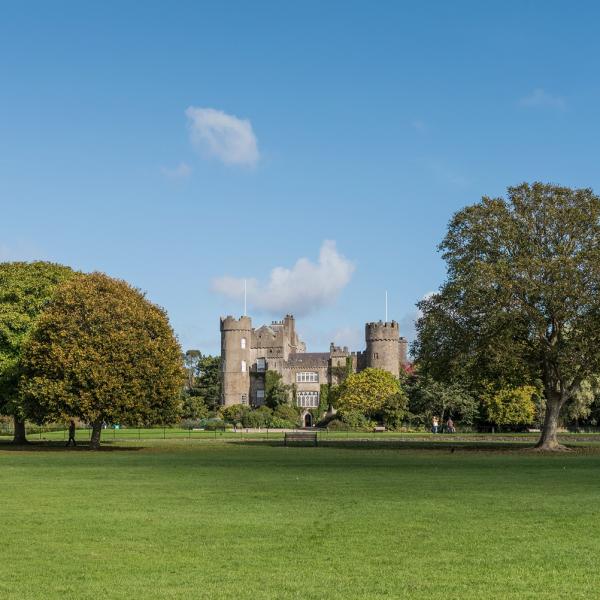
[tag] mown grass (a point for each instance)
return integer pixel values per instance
(224, 519)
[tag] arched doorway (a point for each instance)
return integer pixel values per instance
(308, 420)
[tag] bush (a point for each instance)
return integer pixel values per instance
(216, 424)
(355, 419)
(287, 412)
(260, 417)
(236, 413)
(279, 423)
(337, 425)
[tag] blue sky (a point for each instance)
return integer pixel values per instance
(185, 146)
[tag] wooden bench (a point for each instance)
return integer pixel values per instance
(300, 436)
(379, 429)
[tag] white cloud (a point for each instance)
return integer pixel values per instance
(301, 290)
(539, 98)
(226, 137)
(181, 171)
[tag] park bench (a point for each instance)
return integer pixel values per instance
(378, 429)
(300, 436)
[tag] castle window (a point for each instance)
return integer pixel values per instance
(243, 366)
(309, 377)
(307, 399)
(243, 343)
(261, 365)
(244, 399)
(260, 397)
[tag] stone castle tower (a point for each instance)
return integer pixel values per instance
(236, 336)
(383, 346)
(247, 353)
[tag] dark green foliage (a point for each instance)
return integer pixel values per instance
(25, 290)
(276, 392)
(429, 398)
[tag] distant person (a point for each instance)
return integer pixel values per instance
(71, 434)
(450, 426)
(435, 425)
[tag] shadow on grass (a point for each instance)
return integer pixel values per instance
(395, 444)
(59, 446)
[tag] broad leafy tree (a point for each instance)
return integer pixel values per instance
(370, 392)
(103, 353)
(429, 398)
(25, 290)
(511, 406)
(522, 298)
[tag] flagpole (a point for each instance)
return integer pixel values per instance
(386, 306)
(245, 299)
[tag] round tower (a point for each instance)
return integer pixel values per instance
(383, 346)
(235, 360)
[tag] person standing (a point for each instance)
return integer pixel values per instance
(71, 434)
(434, 425)
(450, 425)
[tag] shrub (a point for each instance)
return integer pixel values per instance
(260, 417)
(337, 425)
(279, 423)
(236, 413)
(287, 412)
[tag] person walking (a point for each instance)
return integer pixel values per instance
(434, 425)
(71, 434)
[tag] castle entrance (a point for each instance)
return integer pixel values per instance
(308, 420)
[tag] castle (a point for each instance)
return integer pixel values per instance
(247, 353)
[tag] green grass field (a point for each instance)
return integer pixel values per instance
(240, 519)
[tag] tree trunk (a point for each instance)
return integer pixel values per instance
(19, 436)
(95, 439)
(548, 440)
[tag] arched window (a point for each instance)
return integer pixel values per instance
(243, 366)
(243, 343)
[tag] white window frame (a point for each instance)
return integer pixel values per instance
(306, 399)
(244, 366)
(307, 377)
(243, 343)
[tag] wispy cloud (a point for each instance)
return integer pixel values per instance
(222, 136)
(301, 289)
(181, 171)
(540, 98)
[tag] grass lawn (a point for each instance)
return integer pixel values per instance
(224, 519)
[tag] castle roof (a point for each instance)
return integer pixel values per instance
(308, 359)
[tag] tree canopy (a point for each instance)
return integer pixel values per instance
(369, 391)
(103, 353)
(522, 298)
(25, 290)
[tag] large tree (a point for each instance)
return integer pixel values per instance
(103, 353)
(25, 290)
(370, 392)
(522, 298)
